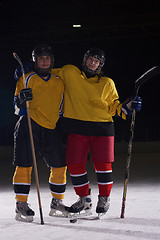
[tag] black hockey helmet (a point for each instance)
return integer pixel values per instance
(97, 53)
(42, 50)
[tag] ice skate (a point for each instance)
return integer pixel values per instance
(82, 206)
(24, 212)
(102, 205)
(58, 209)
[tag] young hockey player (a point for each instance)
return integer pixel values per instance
(91, 101)
(44, 92)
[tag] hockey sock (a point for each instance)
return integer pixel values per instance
(104, 178)
(57, 182)
(79, 179)
(22, 182)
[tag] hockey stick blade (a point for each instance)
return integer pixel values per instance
(145, 77)
(15, 55)
(18, 59)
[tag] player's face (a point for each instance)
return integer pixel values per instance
(44, 62)
(92, 63)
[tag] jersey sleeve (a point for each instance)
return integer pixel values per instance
(19, 87)
(112, 98)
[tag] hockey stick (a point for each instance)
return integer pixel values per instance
(138, 83)
(31, 139)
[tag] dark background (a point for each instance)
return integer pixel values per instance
(127, 30)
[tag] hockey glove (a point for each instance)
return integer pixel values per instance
(24, 96)
(132, 103)
(27, 66)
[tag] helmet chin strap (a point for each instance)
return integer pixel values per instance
(89, 72)
(42, 72)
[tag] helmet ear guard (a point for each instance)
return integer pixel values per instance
(97, 53)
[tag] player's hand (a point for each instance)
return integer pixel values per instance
(24, 96)
(132, 103)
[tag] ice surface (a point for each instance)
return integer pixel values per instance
(142, 216)
(142, 213)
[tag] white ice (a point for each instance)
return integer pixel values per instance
(142, 217)
(142, 213)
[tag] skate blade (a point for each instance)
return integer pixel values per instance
(20, 217)
(84, 213)
(101, 215)
(57, 213)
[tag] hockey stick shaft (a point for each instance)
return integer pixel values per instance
(144, 78)
(32, 142)
(128, 162)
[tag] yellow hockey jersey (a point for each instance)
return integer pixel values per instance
(89, 103)
(47, 98)
(88, 99)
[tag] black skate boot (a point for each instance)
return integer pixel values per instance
(102, 205)
(83, 203)
(24, 212)
(58, 209)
